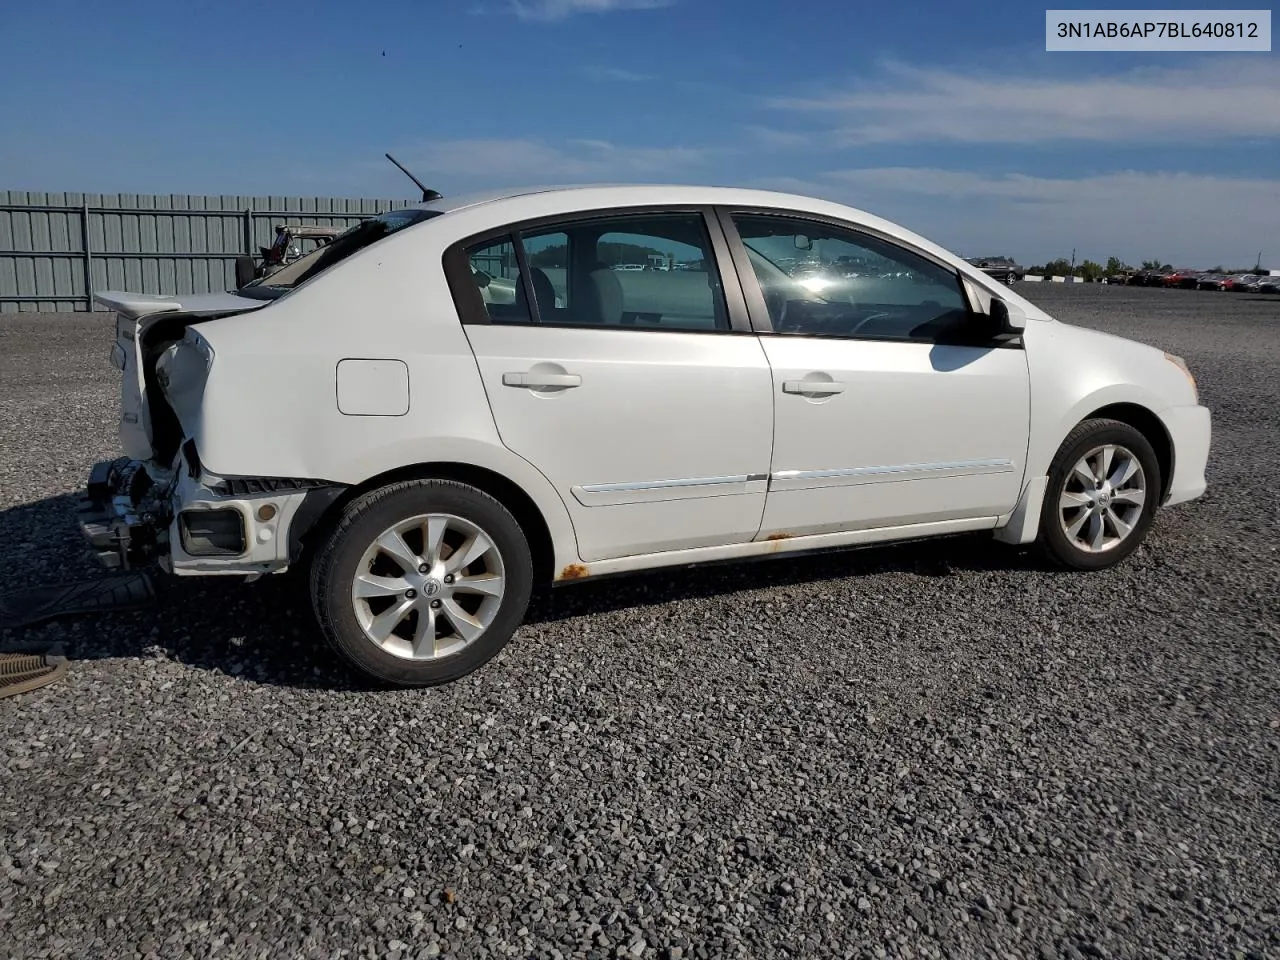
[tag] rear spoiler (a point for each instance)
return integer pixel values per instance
(137, 305)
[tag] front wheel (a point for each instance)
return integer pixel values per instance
(1104, 484)
(422, 582)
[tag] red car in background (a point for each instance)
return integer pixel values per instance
(1181, 278)
(1239, 282)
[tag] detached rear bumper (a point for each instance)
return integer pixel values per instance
(1190, 429)
(115, 519)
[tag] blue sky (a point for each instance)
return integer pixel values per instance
(948, 117)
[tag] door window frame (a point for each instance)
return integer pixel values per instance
(470, 302)
(758, 310)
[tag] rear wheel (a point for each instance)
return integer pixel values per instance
(1104, 484)
(422, 582)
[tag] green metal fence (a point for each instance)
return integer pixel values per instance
(56, 249)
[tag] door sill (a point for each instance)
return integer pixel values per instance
(779, 544)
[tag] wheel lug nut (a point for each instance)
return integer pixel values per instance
(423, 568)
(410, 594)
(435, 604)
(449, 578)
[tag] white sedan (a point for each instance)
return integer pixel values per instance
(455, 402)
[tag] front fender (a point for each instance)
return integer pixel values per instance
(1075, 371)
(1038, 461)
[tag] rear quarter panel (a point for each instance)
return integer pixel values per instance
(270, 405)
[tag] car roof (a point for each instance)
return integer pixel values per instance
(534, 202)
(637, 194)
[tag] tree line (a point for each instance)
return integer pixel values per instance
(1092, 271)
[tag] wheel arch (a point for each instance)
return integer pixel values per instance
(542, 545)
(1023, 525)
(1147, 423)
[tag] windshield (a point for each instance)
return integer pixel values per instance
(322, 258)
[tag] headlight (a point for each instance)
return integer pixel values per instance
(1182, 365)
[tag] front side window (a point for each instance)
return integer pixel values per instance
(823, 280)
(652, 271)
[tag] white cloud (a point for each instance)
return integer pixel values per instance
(560, 9)
(498, 162)
(616, 74)
(1184, 218)
(1230, 97)
(773, 137)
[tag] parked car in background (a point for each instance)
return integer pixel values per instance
(427, 454)
(1211, 281)
(1002, 268)
(1180, 278)
(1269, 285)
(1239, 282)
(1145, 278)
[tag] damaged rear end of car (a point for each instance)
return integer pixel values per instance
(160, 503)
(157, 504)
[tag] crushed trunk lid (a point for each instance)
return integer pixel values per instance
(133, 356)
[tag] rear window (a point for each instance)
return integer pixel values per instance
(362, 235)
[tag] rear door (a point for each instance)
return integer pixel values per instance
(617, 363)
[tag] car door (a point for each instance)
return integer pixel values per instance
(893, 405)
(611, 363)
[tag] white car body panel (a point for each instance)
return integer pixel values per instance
(293, 373)
(679, 428)
(668, 452)
(1075, 371)
(135, 312)
(917, 433)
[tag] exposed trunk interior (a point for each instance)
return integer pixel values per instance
(155, 338)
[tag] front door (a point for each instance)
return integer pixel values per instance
(889, 408)
(611, 365)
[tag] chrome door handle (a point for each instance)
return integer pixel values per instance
(536, 380)
(812, 386)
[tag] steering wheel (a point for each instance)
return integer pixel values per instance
(865, 320)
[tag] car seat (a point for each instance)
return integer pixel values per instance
(544, 293)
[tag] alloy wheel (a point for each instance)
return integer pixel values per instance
(1102, 499)
(428, 587)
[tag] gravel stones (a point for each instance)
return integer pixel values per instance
(931, 750)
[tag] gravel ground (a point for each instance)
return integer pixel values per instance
(921, 751)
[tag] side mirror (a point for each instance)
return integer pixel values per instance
(1009, 318)
(803, 242)
(482, 279)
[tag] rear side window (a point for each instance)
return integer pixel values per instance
(495, 269)
(650, 270)
(642, 270)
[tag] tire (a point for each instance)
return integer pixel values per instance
(441, 621)
(1074, 511)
